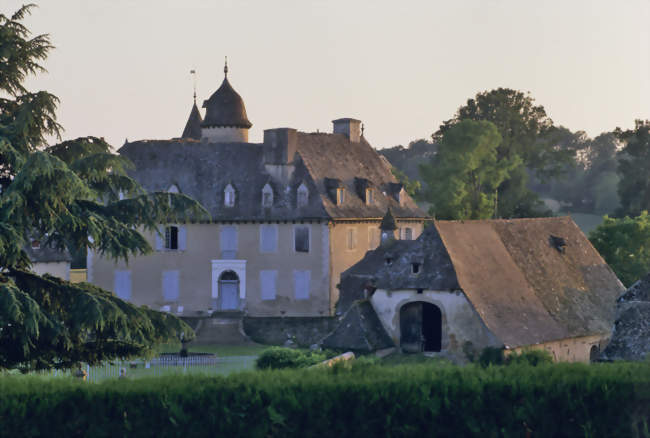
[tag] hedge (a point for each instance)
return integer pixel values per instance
(364, 400)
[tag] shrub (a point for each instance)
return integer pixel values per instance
(279, 357)
(491, 356)
(530, 357)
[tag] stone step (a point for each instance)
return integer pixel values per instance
(221, 330)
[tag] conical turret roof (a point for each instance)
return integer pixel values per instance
(193, 125)
(225, 108)
(388, 222)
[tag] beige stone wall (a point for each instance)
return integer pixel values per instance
(344, 257)
(570, 350)
(195, 266)
(224, 134)
(57, 269)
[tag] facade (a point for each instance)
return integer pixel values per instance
(46, 260)
(287, 216)
(466, 285)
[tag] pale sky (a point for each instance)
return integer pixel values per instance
(121, 67)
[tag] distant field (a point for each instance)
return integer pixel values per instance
(586, 222)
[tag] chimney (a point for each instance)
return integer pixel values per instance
(279, 145)
(349, 127)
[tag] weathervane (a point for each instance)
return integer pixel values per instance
(225, 67)
(193, 73)
(363, 128)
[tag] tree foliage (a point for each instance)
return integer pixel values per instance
(468, 172)
(68, 196)
(634, 169)
(625, 245)
(525, 131)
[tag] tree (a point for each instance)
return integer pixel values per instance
(412, 187)
(634, 169)
(526, 136)
(468, 172)
(625, 245)
(68, 196)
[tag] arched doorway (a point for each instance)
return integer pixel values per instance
(594, 353)
(420, 327)
(228, 291)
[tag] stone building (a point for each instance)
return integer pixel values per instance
(287, 215)
(466, 285)
(47, 260)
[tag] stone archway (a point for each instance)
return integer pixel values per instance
(420, 327)
(228, 291)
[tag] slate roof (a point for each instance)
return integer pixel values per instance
(193, 125)
(526, 289)
(631, 335)
(202, 171)
(225, 108)
(46, 254)
(360, 330)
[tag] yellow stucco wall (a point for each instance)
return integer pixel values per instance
(57, 269)
(194, 264)
(343, 257)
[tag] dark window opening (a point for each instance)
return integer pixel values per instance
(301, 239)
(420, 327)
(415, 268)
(171, 238)
(594, 353)
(558, 243)
(389, 261)
(420, 291)
(36, 244)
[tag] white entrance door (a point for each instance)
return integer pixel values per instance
(229, 290)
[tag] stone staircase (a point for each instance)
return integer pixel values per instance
(223, 328)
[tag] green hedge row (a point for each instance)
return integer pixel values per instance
(364, 400)
(276, 358)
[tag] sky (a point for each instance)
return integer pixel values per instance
(121, 68)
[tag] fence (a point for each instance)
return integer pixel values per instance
(164, 365)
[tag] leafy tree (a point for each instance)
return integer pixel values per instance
(634, 169)
(412, 187)
(625, 245)
(68, 196)
(468, 172)
(526, 137)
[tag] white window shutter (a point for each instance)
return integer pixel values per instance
(268, 238)
(159, 240)
(268, 284)
(182, 238)
(122, 284)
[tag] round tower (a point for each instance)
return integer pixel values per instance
(225, 115)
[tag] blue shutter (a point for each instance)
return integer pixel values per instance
(228, 242)
(182, 238)
(268, 284)
(170, 285)
(159, 240)
(301, 283)
(122, 284)
(268, 238)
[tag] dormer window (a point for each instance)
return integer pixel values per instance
(415, 268)
(267, 196)
(340, 196)
(36, 244)
(401, 196)
(229, 196)
(302, 195)
(173, 189)
(389, 261)
(370, 196)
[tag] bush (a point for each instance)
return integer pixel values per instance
(491, 356)
(405, 400)
(279, 357)
(530, 357)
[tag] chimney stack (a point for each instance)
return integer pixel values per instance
(279, 145)
(351, 128)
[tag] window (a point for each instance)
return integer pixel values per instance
(370, 196)
(389, 261)
(373, 237)
(170, 286)
(415, 268)
(173, 189)
(171, 238)
(267, 196)
(36, 244)
(302, 197)
(406, 233)
(268, 284)
(351, 238)
(301, 283)
(301, 238)
(229, 196)
(268, 238)
(401, 196)
(340, 196)
(122, 284)
(228, 241)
